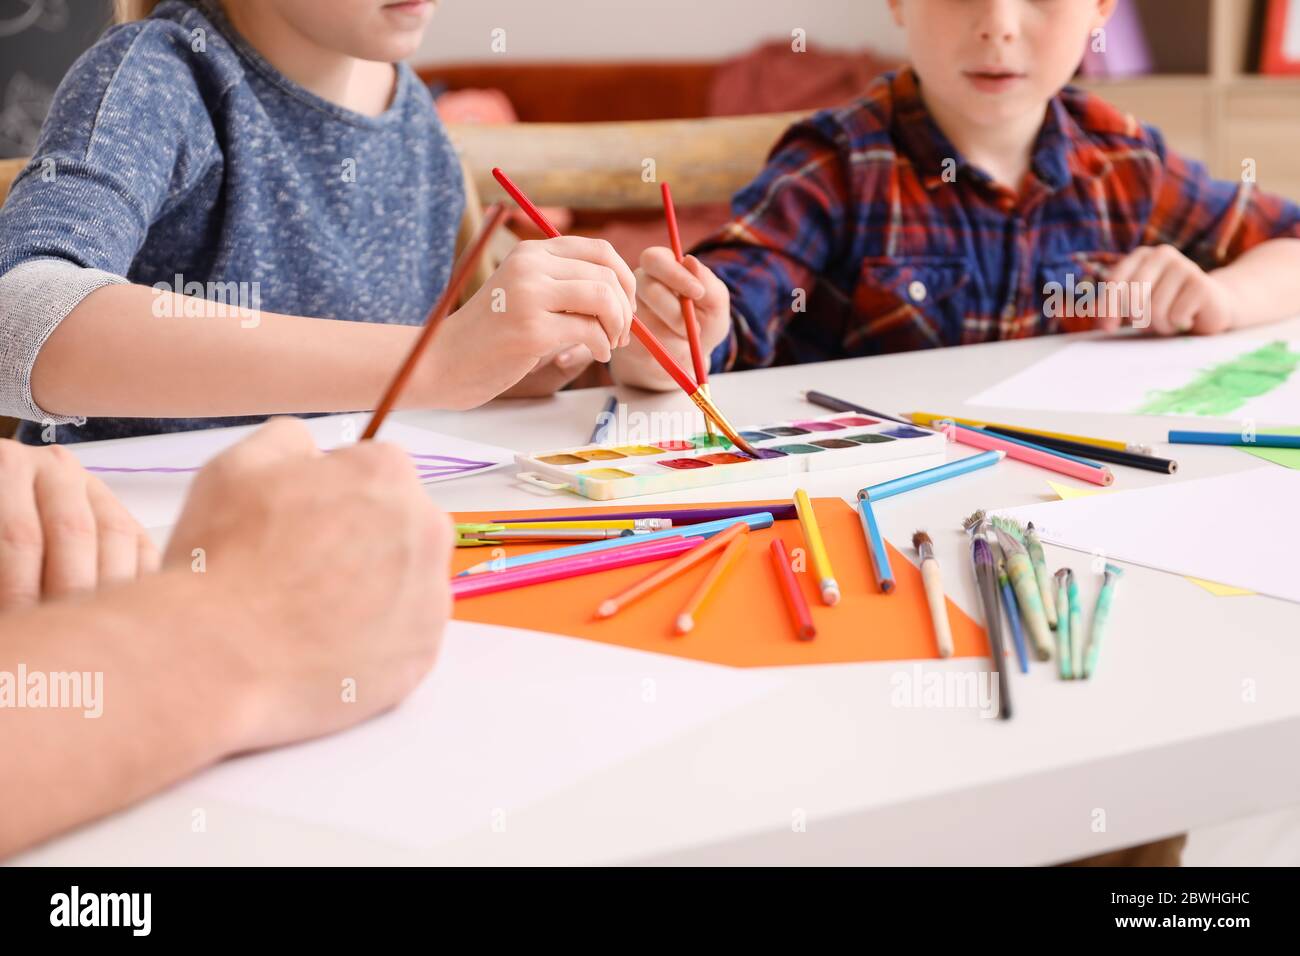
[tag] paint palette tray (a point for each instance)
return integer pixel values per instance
(604, 472)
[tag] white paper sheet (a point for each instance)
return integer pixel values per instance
(506, 718)
(156, 499)
(1237, 529)
(1122, 376)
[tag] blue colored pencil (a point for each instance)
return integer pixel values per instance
(875, 546)
(707, 530)
(1029, 444)
(1234, 438)
(604, 420)
(919, 479)
(1013, 616)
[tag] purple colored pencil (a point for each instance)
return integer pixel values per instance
(784, 512)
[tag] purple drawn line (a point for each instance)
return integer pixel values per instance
(459, 461)
(453, 465)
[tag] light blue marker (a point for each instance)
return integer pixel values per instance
(876, 546)
(757, 521)
(920, 479)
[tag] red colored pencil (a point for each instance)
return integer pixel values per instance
(695, 392)
(689, 317)
(460, 274)
(800, 616)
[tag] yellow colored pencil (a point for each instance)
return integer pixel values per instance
(729, 558)
(812, 536)
(927, 420)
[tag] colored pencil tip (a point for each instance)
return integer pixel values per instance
(887, 586)
(685, 624)
(607, 609)
(807, 633)
(831, 593)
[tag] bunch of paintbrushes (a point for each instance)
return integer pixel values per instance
(1035, 602)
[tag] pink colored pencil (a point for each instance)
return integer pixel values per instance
(491, 581)
(980, 439)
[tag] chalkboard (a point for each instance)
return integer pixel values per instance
(39, 40)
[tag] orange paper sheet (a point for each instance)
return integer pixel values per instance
(745, 624)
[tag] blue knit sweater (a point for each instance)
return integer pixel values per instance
(174, 155)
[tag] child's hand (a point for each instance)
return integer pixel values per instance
(549, 296)
(1176, 294)
(659, 283)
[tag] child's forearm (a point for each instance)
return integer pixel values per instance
(138, 693)
(114, 356)
(1264, 282)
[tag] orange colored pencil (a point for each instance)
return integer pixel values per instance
(613, 605)
(729, 558)
(460, 274)
(800, 616)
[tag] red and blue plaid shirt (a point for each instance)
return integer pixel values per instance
(868, 233)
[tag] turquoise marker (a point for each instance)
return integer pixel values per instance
(1099, 616)
(1076, 629)
(759, 520)
(875, 545)
(1064, 666)
(920, 479)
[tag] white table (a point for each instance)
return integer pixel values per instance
(1160, 742)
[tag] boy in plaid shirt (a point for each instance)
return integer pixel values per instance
(958, 199)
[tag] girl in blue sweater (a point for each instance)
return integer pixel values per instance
(276, 159)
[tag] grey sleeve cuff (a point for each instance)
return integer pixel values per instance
(34, 298)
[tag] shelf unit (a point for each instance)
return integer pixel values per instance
(1204, 98)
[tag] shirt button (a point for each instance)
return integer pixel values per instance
(916, 290)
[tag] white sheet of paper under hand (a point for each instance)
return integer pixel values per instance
(156, 470)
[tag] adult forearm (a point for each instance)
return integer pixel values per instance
(1265, 282)
(113, 355)
(121, 694)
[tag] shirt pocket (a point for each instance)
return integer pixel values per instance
(1073, 291)
(911, 303)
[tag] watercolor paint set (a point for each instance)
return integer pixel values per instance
(607, 471)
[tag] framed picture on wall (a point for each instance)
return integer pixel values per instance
(1280, 43)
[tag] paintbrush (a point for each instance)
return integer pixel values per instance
(986, 579)
(695, 392)
(1029, 538)
(1021, 571)
(460, 274)
(934, 595)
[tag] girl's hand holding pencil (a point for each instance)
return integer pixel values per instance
(547, 299)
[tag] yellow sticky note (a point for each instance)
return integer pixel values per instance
(1066, 492)
(1220, 590)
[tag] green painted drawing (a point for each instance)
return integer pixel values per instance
(1223, 389)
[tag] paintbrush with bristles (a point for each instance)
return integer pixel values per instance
(934, 595)
(1025, 583)
(986, 579)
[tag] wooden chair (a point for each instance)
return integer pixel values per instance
(613, 166)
